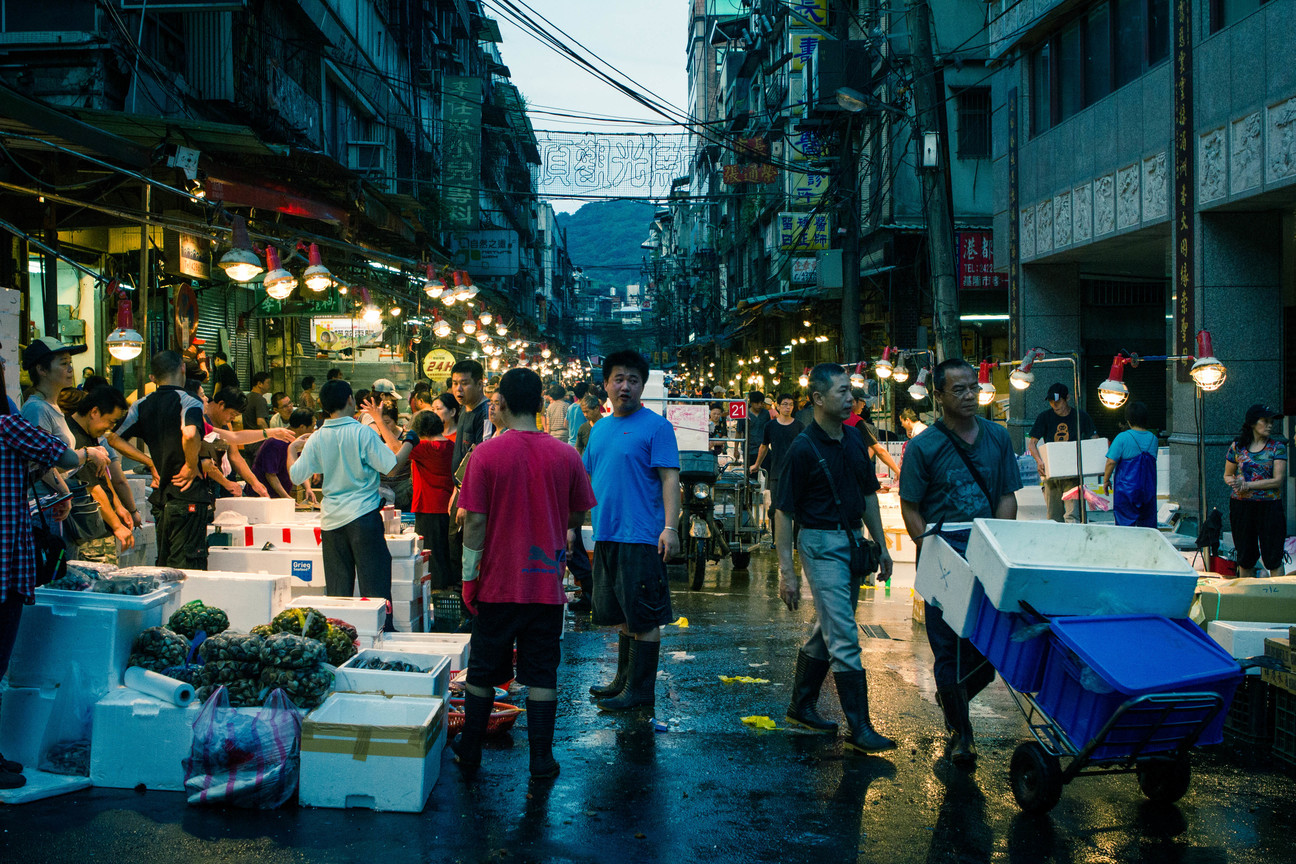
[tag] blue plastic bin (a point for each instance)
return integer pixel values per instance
(1128, 656)
(1020, 663)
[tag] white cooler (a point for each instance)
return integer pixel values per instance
(946, 581)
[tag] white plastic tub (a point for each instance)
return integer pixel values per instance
(434, 682)
(945, 580)
(248, 599)
(452, 645)
(375, 752)
(1089, 569)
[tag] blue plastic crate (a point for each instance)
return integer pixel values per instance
(1019, 662)
(1128, 656)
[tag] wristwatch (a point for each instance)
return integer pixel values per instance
(264, 435)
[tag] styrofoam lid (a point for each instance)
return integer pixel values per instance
(230, 519)
(1137, 654)
(359, 709)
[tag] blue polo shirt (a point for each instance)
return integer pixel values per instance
(622, 458)
(353, 459)
(574, 421)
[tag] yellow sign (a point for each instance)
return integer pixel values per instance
(437, 363)
(807, 189)
(803, 45)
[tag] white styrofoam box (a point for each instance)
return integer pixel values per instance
(305, 535)
(404, 592)
(1060, 457)
(24, 714)
(407, 610)
(946, 581)
(258, 510)
(434, 682)
(1243, 639)
(139, 739)
(248, 599)
(453, 645)
(382, 753)
(367, 616)
(93, 630)
(305, 566)
(1074, 569)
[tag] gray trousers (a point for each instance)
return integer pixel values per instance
(825, 559)
(1059, 510)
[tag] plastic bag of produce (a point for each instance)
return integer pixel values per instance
(163, 575)
(303, 621)
(231, 646)
(341, 647)
(65, 746)
(244, 759)
(290, 651)
(82, 574)
(195, 617)
(130, 586)
(305, 688)
(157, 648)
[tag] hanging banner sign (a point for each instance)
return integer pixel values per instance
(802, 231)
(751, 173)
(485, 253)
(807, 189)
(976, 262)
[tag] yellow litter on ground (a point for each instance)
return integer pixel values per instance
(742, 679)
(679, 622)
(760, 722)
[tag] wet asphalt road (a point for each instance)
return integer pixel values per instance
(713, 789)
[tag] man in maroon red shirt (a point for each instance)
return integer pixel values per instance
(522, 492)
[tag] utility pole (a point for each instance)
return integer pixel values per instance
(929, 102)
(849, 185)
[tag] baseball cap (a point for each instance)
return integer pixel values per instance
(384, 385)
(46, 347)
(1260, 411)
(1056, 392)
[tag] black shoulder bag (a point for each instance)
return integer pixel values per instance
(865, 556)
(972, 469)
(49, 549)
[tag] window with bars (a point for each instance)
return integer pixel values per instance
(974, 123)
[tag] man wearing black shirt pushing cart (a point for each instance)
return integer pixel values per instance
(958, 469)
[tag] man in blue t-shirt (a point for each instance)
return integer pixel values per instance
(633, 462)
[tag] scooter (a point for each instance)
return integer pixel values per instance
(701, 538)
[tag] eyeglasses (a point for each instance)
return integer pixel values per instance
(959, 392)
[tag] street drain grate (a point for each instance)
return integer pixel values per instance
(874, 631)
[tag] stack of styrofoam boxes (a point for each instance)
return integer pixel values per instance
(258, 511)
(1057, 569)
(1244, 639)
(297, 552)
(92, 631)
(144, 552)
(366, 616)
(372, 751)
(248, 599)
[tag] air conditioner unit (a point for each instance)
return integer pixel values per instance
(836, 64)
(367, 157)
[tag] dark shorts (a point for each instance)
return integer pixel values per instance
(1259, 530)
(536, 629)
(630, 587)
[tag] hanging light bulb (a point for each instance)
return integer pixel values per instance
(1207, 373)
(342, 289)
(440, 327)
(1112, 393)
(501, 329)
(317, 277)
(884, 367)
(1022, 377)
(486, 317)
(985, 390)
(461, 281)
(461, 339)
(279, 283)
(918, 392)
(241, 264)
(546, 353)
(395, 312)
(372, 314)
(125, 343)
(494, 364)
(483, 337)
(900, 371)
(470, 324)
(432, 286)
(856, 378)
(804, 380)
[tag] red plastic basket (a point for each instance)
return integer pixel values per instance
(501, 720)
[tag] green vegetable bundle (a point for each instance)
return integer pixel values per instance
(157, 648)
(303, 621)
(290, 651)
(195, 615)
(231, 646)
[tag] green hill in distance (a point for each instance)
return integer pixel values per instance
(603, 239)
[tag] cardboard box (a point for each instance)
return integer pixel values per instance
(452, 645)
(1060, 457)
(1271, 600)
(367, 616)
(139, 739)
(376, 752)
(946, 581)
(1283, 680)
(434, 682)
(248, 599)
(1280, 649)
(95, 631)
(1081, 569)
(304, 535)
(259, 510)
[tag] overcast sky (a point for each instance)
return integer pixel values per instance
(646, 41)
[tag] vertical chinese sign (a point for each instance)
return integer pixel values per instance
(1014, 232)
(461, 152)
(1184, 217)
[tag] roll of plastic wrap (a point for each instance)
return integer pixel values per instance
(154, 684)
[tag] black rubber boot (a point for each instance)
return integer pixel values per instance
(625, 650)
(641, 690)
(803, 711)
(9, 765)
(468, 746)
(960, 749)
(852, 689)
(540, 733)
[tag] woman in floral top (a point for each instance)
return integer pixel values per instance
(1256, 468)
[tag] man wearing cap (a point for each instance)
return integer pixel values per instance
(1060, 423)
